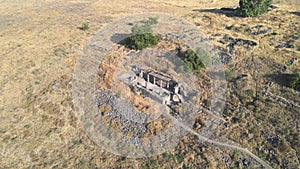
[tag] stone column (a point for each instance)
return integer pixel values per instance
(141, 74)
(148, 79)
(176, 89)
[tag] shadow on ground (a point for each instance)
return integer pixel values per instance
(119, 38)
(229, 12)
(282, 79)
(295, 13)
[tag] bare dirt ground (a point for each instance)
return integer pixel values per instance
(39, 43)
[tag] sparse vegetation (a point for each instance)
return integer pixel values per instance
(60, 52)
(5, 139)
(85, 26)
(228, 76)
(175, 157)
(144, 28)
(151, 164)
(140, 29)
(250, 92)
(118, 95)
(69, 99)
(76, 142)
(27, 126)
(252, 8)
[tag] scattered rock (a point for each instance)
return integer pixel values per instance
(241, 42)
(215, 35)
(273, 140)
(232, 28)
(197, 24)
(232, 42)
(123, 113)
(258, 30)
(288, 44)
(293, 60)
(225, 57)
(246, 162)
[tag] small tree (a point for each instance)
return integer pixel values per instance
(295, 82)
(193, 60)
(251, 8)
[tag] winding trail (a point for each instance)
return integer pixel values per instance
(205, 139)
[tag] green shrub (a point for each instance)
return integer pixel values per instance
(141, 41)
(151, 164)
(118, 95)
(251, 8)
(250, 92)
(228, 75)
(175, 157)
(193, 60)
(85, 26)
(295, 82)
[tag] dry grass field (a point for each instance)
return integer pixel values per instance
(39, 44)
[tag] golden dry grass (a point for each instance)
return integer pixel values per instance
(39, 43)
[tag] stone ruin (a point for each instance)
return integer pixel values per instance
(155, 85)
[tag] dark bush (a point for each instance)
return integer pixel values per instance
(193, 60)
(141, 41)
(251, 8)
